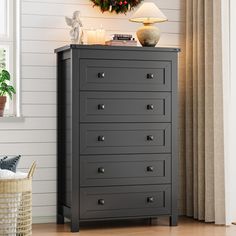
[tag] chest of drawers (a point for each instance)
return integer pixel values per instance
(116, 133)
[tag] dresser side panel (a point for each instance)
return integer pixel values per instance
(63, 131)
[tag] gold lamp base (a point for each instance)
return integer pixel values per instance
(148, 35)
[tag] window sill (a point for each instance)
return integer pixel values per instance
(12, 119)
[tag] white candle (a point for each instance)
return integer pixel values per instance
(91, 37)
(101, 35)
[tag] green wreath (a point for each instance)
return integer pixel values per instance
(119, 6)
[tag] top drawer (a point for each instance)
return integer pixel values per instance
(117, 75)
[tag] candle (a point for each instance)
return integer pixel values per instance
(91, 36)
(96, 36)
(100, 34)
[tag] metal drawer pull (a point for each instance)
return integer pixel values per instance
(150, 138)
(101, 202)
(150, 168)
(101, 170)
(150, 76)
(101, 138)
(101, 75)
(150, 199)
(101, 106)
(150, 107)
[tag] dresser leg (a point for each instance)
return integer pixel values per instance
(74, 226)
(60, 219)
(173, 220)
(150, 221)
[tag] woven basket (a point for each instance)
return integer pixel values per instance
(16, 205)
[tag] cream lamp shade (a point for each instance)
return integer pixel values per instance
(148, 14)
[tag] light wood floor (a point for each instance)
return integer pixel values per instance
(187, 227)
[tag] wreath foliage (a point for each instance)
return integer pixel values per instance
(118, 6)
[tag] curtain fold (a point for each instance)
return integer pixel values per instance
(204, 150)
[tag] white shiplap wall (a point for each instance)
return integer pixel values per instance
(43, 29)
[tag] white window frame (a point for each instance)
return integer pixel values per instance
(11, 41)
(229, 88)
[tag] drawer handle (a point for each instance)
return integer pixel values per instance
(150, 76)
(150, 138)
(150, 199)
(101, 170)
(101, 106)
(150, 107)
(101, 138)
(150, 168)
(101, 202)
(101, 75)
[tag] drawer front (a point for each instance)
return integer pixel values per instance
(125, 169)
(125, 107)
(127, 201)
(121, 75)
(125, 138)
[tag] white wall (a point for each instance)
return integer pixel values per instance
(43, 29)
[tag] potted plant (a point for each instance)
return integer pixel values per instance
(5, 89)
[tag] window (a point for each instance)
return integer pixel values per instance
(3, 22)
(9, 46)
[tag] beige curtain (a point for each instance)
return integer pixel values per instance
(202, 194)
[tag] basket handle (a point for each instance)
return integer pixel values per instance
(31, 171)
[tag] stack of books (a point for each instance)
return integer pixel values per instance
(122, 40)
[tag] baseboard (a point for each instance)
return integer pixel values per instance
(43, 219)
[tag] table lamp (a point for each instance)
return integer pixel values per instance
(148, 14)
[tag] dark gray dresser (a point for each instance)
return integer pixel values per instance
(117, 133)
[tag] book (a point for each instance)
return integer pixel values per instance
(122, 37)
(121, 43)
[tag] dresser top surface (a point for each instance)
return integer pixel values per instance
(126, 48)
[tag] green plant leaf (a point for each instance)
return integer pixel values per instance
(4, 85)
(12, 89)
(5, 75)
(9, 94)
(5, 88)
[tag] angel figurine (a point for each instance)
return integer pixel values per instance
(75, 23)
